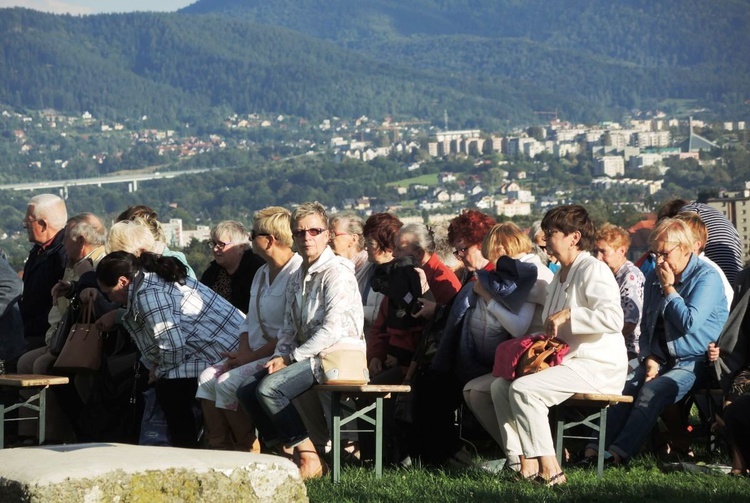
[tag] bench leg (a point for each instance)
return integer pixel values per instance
(2, 425)
(602, 439)
(42, 415)
(379, 437)
(559, 434)
(336, 444)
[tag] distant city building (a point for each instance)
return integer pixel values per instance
(650, 187)
(644, 160)
(610, 165)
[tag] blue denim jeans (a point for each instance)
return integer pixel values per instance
(268, 400)
(630, 424)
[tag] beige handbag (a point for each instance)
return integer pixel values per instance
(83, 347)
(345, 363)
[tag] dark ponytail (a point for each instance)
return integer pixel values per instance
(122, 263)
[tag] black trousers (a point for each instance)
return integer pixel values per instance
(176, 397)
(737, 419)
(435, 436)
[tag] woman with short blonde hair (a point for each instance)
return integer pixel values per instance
(505, 239)
(228, 427)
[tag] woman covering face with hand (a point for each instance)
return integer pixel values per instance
(684, 310)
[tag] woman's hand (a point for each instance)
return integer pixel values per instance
(428, 309)
(713, 352)
(61, 289)
(482, 291)
(375, 367)
(107, 322)
(665, 273)
(555, 321)
(88, 295)
(238, 358)
(652, 368)
(390, 361)
(275, 364)
(152, 377)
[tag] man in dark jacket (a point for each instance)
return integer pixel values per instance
(45, 220)
(11, 328)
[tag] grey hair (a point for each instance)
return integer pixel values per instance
(307, 209)
(534, 229)
(51, 209)
(89, 227)
(421, 236)
(131, 237)
(353, 224)
(235, 230)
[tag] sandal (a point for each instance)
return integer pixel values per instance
(555, 480)
(531, 478)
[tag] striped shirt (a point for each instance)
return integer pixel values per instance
(723, 246)
(182, 329)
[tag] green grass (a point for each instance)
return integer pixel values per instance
(423, 180)
(641, 482)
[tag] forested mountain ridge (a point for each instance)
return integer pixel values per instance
(613, 54)
(189, 68)
(488, 63)
(647, 32)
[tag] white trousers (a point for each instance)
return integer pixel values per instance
(221, 387)
(478, 399)
(522, 408)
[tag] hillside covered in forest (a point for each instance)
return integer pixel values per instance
(487, 63)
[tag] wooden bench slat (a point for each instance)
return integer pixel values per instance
(27, 380)
(594, 397)
(364, 388)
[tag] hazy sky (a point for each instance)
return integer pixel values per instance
(97, 6)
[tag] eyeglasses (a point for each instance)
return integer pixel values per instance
(218, 244)
(27, 221)
(254, 234)
(459, 252)
(314, 232)
(549, 232)
(663, 255)
(373, 245)
(337, 234)
(597, 251)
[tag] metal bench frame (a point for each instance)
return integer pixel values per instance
(596, 421)
(379, 392)
(37, 402)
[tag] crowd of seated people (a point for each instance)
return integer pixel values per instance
(245, 342)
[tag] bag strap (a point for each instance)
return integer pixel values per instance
(87, 313)
(267, 337)
(540, 358)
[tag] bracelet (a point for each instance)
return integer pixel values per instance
(664, 287)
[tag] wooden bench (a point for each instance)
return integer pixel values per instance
(376, 391)
(596, 421)
(37, 402)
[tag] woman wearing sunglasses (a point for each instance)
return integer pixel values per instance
(323, 308)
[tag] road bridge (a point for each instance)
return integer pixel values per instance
(131, 179)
